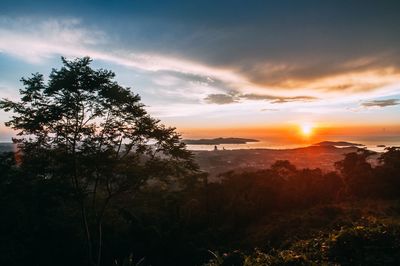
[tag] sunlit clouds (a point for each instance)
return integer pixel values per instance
(35, 40)
(190, 74)
(381, 103)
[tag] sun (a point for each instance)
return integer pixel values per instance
(306, 129)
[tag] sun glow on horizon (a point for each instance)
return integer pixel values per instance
(306, 129)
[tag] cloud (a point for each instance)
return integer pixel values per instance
(236, 97)
(35, 41)
(278, 99)
(269, 110)
(220, 99)
(381, 103)
(285, 47)
(295, 72)
(237, 78)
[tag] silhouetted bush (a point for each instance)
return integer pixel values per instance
(373, 244)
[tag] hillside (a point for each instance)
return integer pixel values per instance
(215, 162)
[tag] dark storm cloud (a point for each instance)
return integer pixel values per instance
(381, 103)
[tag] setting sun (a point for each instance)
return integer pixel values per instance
(306, 129)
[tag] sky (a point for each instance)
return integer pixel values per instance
(213, 68)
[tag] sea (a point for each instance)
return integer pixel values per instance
(374, 143)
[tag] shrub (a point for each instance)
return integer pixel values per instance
(376, 244)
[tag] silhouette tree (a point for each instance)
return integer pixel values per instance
(82, 128)
(391, 158)
(357, 173)
(389, 171)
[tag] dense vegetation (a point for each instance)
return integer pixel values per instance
(292, 216)
(97, 181)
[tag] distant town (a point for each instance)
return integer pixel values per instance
(218, 141)
(321, 155)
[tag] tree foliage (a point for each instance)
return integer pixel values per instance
(84, 129)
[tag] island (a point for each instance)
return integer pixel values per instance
(338, 144)
(218, 141)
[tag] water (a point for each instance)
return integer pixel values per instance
(370, 143)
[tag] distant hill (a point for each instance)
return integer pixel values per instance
(218, 141)
(337, 143)
(322, 157)
(7, 147)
